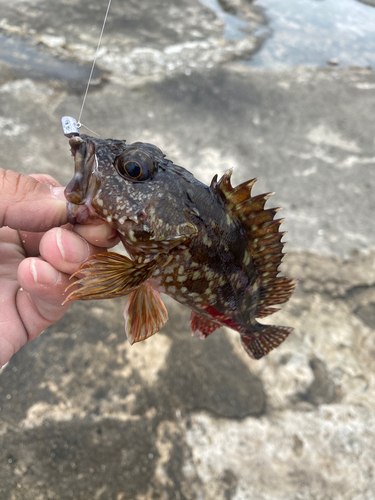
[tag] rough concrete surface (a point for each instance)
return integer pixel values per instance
(84, 415)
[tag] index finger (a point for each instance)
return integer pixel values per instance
(100, 234)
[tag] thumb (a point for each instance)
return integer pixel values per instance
(28, 204)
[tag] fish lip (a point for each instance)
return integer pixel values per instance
(85, 183)
(81, 214)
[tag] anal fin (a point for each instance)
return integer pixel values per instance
(145, 313)
(263, 339)
(201, 326)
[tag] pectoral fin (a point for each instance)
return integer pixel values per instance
(201, 326)
(145, 313)
(109, 275)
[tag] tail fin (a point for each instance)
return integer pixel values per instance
(263, 338)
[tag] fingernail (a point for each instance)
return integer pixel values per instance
(43, 273)
(58, 192)
(33, 270)
(72, 250)
(59, 242)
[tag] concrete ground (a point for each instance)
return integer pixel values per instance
(85, 416)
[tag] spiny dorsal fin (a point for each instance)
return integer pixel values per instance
(264, 237)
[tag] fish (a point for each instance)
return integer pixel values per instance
(214, 249)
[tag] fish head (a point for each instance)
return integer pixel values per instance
(133, 187)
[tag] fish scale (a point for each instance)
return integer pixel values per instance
(215, 248)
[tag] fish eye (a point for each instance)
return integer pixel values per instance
(133, 169)
(134, 165)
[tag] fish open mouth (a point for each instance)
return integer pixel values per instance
(84, 185)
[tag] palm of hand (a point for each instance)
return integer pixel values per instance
(16, 312)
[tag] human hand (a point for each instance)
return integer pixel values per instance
(38, 253)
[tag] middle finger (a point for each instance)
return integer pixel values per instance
(66, 250)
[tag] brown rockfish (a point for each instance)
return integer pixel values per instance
(214, 249)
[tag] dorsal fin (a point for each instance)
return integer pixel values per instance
(265, 246)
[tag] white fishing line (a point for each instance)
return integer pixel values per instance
(79, 124)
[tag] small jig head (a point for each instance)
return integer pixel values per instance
(70, 126)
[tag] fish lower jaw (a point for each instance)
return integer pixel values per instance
(82, 214)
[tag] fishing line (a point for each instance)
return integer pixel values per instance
(93, 64)
(69, 124)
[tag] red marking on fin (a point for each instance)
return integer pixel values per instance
(264, 338)
(221, 317)
(201, 326)
(145, 313)
(108, 275)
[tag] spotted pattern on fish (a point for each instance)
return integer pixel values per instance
(215, 248)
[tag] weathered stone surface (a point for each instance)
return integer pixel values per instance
(368, 2)
(138, 43)
(80, 408)
(280, 130)
(83, 414)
